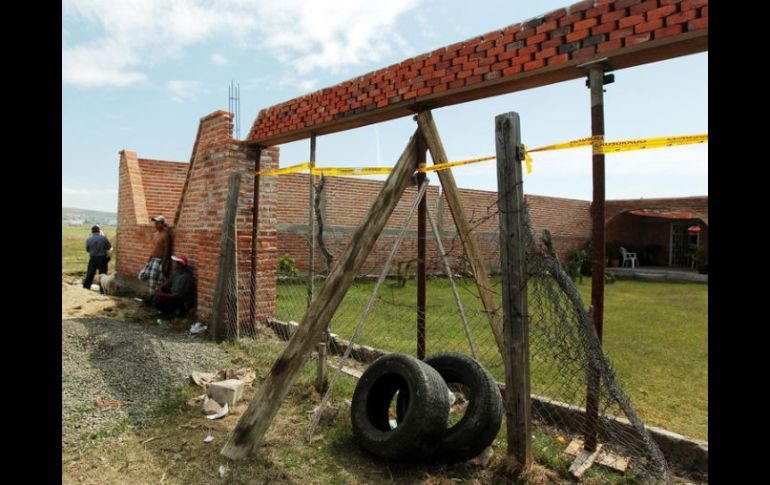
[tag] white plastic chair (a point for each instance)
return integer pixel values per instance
(629, 258)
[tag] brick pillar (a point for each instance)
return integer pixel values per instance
(199, 229)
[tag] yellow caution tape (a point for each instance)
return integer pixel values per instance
(444, 166)
(282, 171)
(351, 171)
(598, 144)
(527, 159)
(647, 143)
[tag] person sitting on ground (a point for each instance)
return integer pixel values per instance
(176, 295)
(98, 247)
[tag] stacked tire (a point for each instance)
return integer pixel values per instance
(420, 430)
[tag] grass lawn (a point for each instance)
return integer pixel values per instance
(73, 247)
(656, 335)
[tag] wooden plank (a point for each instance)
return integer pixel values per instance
(606, 458)
(464, 229)
(646, 52)
(255, 420)
(513, 269)
(226, 254)
(583, 461)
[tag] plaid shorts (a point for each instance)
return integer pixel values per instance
(152, 272)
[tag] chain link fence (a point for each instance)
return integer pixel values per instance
(575, 390)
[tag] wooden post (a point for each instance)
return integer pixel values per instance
(464, 229)
(513, 267)
(422, 208)
(255, 420)
(254, 233)
(320, 378)
(311, 225)
(598, 268)
(226, 254)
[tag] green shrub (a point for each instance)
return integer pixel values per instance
(286, 266)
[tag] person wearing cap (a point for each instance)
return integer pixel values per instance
(98, 247)
(176, 295)
(153, 270)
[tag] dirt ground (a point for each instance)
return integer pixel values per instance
(79, 302)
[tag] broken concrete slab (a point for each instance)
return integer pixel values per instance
(226, 392)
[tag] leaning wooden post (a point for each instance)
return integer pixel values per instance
(226, 254)
(255, 420)
(464, 229)
(514, 287)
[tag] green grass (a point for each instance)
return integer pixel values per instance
(656, 335)
(73, 247)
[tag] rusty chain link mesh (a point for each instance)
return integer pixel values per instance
(566, 358)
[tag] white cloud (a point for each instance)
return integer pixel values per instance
(219, 59)
(183, 90)
(334, 34)
(87, 192)
(306, 36)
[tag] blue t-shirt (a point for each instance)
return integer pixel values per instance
(98, 245)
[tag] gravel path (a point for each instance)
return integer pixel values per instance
(112, 359)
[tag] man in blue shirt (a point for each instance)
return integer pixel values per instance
(98, 247)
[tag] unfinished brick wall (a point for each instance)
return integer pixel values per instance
(539, 51)
(346, 200)
(201, 214)
(147, 188)
(194, 196)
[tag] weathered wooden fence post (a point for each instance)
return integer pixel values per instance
(513, 267)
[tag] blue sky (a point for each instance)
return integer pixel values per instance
(139, 75)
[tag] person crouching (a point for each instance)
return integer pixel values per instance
(175, 296)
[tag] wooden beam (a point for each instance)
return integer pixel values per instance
(226, 255)
(513, 269)
(646, 52)
(255, 420)
(464, 229)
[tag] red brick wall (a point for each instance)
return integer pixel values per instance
(203, 187)
(347, 200)
(147, 188)
(163, 183)
(557, 40)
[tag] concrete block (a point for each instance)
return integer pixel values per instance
(229, 391)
